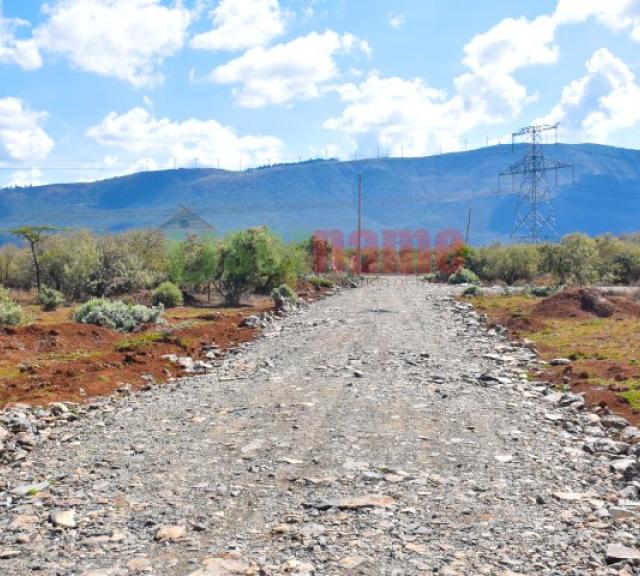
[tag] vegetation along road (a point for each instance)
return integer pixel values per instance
(383, 430)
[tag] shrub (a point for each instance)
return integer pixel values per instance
(542, 291)
(575, 259)
(116, 315)
(472, 291)
(50, 299)
(284, 292)
(5, 295)
(510, 264)
(167, 294)
(255, 259)
(10, 313)
(464, 276)
(432, 277)
(321, 282)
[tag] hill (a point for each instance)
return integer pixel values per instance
(433, 192)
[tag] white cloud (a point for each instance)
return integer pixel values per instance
(165, 141)
(599, 103)
(30, 177)
(396, 20)
(24, 53)
(22, 136)
(619, 15)
(401, 115)
(396, 113)
(125, 39)
(241, 24)
(489, 87)
(285, 72)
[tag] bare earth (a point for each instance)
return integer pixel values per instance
(355, 437)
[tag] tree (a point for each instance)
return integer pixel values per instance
(251, 259)
(34, 236)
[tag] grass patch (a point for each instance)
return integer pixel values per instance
(513, 304)
(140, 342)
(72, 356)
(632, 397)
(9, 372)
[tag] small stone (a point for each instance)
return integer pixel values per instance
(560, 362)
(621, 514)
(170, 533)
(613, 421)
(8, 554)
(617, 552)
(63, 519)
(622, 465)
(504, 458)
(351, 562)
(420, 549)
(139, 565)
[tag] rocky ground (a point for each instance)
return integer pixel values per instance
(381, 431)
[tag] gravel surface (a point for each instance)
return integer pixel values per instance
(382, 430)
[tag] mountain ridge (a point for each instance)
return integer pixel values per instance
(432, 192)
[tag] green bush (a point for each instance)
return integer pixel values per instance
(542, 291)
(284, 292)
(116, 315)
(321, 282)
(432, 277)
(5, 295)
(10, 314)
(167, 294)
(463, 276)
(510, 264)
(255, 259)
(50, 299)
(472, 291)
(575, 260)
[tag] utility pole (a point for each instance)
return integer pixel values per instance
(534, 219)
(466, 235)
(359, 239)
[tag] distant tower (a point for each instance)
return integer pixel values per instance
(534, 219)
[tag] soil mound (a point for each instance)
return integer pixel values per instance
(586, 303)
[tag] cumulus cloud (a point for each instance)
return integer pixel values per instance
(599, 103)
(24, 53)
(241, 24)
(400, 115)
(396, 20)
(164, 141)
(22, 136)
(493, 57)
(29, 177)
(285, 72)
(124, 39)
(396, 112)
(619, 15)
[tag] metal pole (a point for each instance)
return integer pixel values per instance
(466, 236)
(359, 239)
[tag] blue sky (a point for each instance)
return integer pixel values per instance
(96, 88)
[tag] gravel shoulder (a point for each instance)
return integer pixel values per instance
(383, 430)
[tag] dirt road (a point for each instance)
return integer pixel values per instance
(367, 434)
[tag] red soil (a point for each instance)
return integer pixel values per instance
(75, 362)
(570, 304)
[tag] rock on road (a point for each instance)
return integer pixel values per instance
(383, 430)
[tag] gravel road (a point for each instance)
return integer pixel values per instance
(382, 430)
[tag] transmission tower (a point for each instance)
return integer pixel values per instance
(534, 219)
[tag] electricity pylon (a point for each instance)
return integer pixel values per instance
(534, 219)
